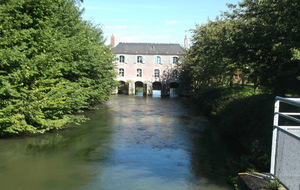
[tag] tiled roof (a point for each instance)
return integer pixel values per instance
(148, 49)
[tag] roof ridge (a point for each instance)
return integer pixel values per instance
(147, 43)
(148, 48)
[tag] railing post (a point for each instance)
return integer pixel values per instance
(274, 139)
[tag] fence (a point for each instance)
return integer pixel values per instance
(285, 158)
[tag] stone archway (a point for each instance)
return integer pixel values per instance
(156, 86)
(174, 85)
(123, 88)
(174, 89)
(139, 88)
(156, 89)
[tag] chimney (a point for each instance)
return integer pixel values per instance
(186, 43)
(112, 41)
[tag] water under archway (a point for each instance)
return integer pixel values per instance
(156, 89)
(123, 88)
(139, 88)
(174, 89)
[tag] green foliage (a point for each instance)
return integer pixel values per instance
(272, 185)
(213, 99)
(259, 41)
(256, 39)
(52, 64)
(244, 120)
(246, 124)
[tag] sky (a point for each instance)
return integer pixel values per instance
(151, 21)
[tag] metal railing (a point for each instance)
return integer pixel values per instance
(285, 157)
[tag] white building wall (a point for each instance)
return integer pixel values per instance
(130, 69)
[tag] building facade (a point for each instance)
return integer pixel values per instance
(148, 67)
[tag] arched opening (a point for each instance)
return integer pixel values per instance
(156, 89)
(139, 88)
(174, 89)
(174, 85)
(156, 86)
(123, 88)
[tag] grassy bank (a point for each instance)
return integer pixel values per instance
(244, 121)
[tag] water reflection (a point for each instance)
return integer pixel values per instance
(129, 143)
(156, 93)
(173, 92)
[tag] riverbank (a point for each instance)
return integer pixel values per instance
(244, 120)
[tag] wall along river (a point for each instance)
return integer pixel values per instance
(129, 143)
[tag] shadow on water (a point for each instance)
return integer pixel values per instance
(129, 143)
(55, 160)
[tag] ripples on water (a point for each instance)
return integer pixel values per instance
(130, 143)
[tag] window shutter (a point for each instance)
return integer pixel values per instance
(135, 59)
(144, 59)
(126, 59)
(117, 59)
(171, 60)
(155, 59)
(161, 60)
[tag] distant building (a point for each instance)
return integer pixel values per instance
(144, 67)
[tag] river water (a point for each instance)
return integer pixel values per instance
(129, 143)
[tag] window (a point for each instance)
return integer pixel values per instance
(121, 72)
(175, 60)
(174, 74)
(139, 72)
(158, 60)
(156, 73)
(122, 59)
(139, 59)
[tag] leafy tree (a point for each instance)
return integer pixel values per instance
(275, 33)
(209, 60)
(52, 64)
(257, 38)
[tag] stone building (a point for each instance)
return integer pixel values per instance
(148, 67)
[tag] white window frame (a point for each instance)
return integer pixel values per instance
(156, 72)
(158, 60)
(121, 59)
(175, 60)
(139, 59)
(121, 72)
(174, 73)
(139, 72)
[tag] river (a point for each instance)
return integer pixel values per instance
(129, 143)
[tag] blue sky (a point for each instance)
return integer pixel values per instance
(152, 21)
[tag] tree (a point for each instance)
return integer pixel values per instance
(52, 64)
(272, 35)
(209, 60)
(257, 38)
